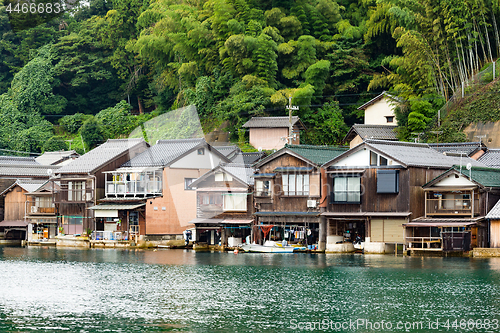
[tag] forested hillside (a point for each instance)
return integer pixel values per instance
(103, 69)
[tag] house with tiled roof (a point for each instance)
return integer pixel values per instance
(457, 203)
(380, 109)
(491, 158)
(224, 205)
(289, 194)
(473, 150)
(13, 226)
(150, 195)
(376, 188)
(60, 157)
(82, 182)
(360, 132)
(273, 132)
(41, 213)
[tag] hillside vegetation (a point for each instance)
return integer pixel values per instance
(107, 67)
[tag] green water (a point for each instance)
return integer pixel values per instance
(53, 290)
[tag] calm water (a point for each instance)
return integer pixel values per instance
(52, 290)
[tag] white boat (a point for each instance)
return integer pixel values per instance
(270, 247)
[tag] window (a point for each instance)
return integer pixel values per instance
(235, 202)
(262, 188)
(390, 119)
(76, 191)
(187, 182)
(295, 184)
(347, 189)
(387, 181)
(201, 151)
(373, 158)
(210, 199)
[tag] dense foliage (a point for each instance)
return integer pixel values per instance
(110, 66)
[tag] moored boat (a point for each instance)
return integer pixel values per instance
(271, 247)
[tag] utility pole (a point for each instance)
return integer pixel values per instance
(290, 108)
(437, 136)
(417, 139)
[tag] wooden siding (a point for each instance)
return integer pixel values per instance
(410, 198)
(495, 234)
(14, 204)
(278, 202)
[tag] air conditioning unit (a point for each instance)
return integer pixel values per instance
(34, 209)
(311, 203)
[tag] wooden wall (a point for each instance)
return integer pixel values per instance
(15, 201)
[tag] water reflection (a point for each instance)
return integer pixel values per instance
(52, 289)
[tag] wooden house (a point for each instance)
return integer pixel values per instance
(153, 188)
(456, 205)
(376, 188)
(224, 205)
(41, 213)
(273, 132)
(82, 182)
(289, 193)
(14, 224)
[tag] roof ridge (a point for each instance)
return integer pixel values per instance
(398, 143)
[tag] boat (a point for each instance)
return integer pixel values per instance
(270, 247)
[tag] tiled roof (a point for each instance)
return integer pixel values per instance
(251, 158)
(491, 158)
(29, 185)
(317, 154)
(27, 170)
(376, 98)
(377, 132)
(243, 172)
(273, 122)
(488, 177)
(165, 152)
(227, 150)
(456, 147)
(418, 154)
(53, 157)
(100, 155)
(18, 160)
(494, 213)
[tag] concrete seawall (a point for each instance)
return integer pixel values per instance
(485, 253)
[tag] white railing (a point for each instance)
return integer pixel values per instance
(109, 235)
(412, 241)
(133, 187)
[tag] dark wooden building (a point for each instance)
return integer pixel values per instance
(376, 188)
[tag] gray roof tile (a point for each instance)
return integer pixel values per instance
(419, 154)
(273, 122)
(243, 172)
(27, 170)
(29, 185)
(456, 147)
(494, 213)
(53, 157)
(164, 152)
(100, 155)
(491, 158)
(18, 160)
(377, 132)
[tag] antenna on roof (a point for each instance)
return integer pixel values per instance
(480, 137)
(417, 139)
(469, 167)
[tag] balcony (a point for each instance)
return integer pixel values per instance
(452, 207)
(40, 207)
(134, 182)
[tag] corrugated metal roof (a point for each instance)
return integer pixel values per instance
(164, 152)
(18, 160)
(273, 122)
(14, 224)
(456, 147)
(494, 213)
(377, 132)
(491, 158)
(418, 154)
(287, 213)
(100, 155)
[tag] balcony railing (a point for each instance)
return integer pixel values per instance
(452, 207)
(40, 208)
(109, 235)
(133, 188)
(424, 243)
